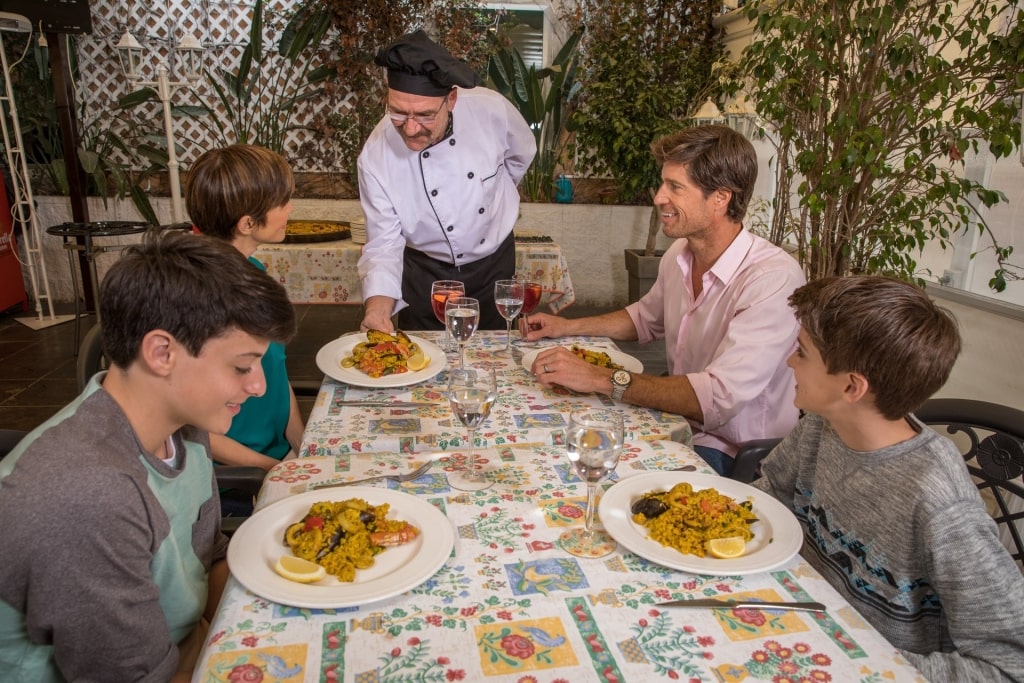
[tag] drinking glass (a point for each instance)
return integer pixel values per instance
(593, 443)
(532, 293)
(508, 297)
(471, 393)
(462, 315)
(440, 291)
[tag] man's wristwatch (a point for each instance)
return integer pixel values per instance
(620, 382)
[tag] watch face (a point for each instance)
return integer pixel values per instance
(621, 377)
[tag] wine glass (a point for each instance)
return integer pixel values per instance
(440, 291)
(593, 444)
(471, 393)
(532, 292)
(508, 297)
(462, 315)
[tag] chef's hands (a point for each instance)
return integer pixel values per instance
(377, 314)
(561, 366)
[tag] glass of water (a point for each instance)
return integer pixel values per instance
(462, 316)
(471, 393)
(593, 444)
(508, 297)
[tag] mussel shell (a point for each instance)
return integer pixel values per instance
(648, 506)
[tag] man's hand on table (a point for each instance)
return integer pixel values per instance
(542, 326)
(561, 366)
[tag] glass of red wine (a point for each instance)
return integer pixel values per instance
(532, 294)
(440, 292)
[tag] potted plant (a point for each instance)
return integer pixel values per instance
(873, 105)
(642, 64)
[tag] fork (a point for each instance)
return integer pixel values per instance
(405, 476)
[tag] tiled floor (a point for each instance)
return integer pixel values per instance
(37, 367)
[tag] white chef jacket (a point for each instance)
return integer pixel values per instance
(455, 201)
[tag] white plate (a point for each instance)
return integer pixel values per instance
(777, 533)
(258, 543)
(624, 359)
(328, 359)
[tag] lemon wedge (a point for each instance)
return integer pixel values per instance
(727, 548)
(417, 361)
(299, 570)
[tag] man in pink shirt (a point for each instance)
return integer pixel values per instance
(720, 304)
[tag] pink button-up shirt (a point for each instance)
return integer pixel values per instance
(731, 341)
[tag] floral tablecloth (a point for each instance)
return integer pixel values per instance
(325, 272)
(525, 413)
(510, 606)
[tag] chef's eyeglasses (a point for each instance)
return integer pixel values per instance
(421, 119)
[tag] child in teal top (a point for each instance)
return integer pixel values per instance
(242, 194)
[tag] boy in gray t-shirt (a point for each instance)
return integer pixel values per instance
(111, 556)
(890, 514)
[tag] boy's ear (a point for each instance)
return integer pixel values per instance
(157, 352)
(856, 388)
(245, 225)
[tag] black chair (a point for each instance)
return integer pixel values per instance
(244, 482)
(747, 465)
(9, 438)
(991, 438)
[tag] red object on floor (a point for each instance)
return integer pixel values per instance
(12, 282)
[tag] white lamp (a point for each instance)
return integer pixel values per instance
(130, 53)
(707, 114)
(191, 53)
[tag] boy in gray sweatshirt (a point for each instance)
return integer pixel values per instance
(111, 556)
(890, 514)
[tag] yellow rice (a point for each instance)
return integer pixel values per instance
(695, 517)
(355, 549)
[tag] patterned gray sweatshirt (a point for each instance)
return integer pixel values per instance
(903, 534)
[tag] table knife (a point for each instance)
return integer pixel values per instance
(745, 604)
(386, 404)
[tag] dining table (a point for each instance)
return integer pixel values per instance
(485, 592)
(327, 272)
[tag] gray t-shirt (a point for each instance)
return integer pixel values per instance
(903, 534)
(105, 549)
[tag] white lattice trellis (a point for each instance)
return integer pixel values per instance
(223, 28)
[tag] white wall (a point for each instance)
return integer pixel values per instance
(593, 237)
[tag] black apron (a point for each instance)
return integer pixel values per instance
(419, 272)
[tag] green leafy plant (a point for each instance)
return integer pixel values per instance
(259, 98)
(542, 96)
(642, 62)
(874, 104)
(105, 140)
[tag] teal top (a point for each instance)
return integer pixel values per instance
(261, 423)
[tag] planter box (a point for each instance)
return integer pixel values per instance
(642, 271)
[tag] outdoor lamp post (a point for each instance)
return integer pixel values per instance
(707, 115)
(741, 116)
(191, 57)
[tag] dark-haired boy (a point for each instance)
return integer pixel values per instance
(111, 553)
(890, 514)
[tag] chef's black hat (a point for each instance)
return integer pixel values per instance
(419, 66)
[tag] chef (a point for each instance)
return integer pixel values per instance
(437, 183)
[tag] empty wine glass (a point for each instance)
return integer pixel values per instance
(532, 293)
(440, 291)
(508, 297)
(471, 393)
(462, 315)
(593, 444)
